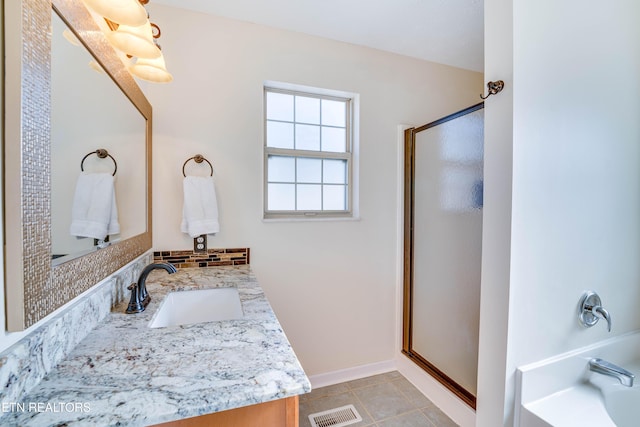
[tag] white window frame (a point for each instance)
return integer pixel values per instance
(350, 154)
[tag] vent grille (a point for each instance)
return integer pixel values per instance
(338, 417)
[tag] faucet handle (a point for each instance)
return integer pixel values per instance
(601, 313)
(135, 305)
(590, 310)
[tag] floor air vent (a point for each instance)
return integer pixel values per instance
(338, 417)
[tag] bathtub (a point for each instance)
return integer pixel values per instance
(563, 392)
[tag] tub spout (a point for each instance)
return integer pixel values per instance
(607, 368)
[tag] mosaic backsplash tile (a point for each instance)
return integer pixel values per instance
(211, 258)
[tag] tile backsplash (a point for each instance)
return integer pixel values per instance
(210, 258)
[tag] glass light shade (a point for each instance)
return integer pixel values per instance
(70, 37)
(96, 67)
(122, 12)
(153, 70)
(135, 41)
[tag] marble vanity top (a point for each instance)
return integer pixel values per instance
(125, 373)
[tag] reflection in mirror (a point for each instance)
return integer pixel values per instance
(89, 112)
(34, 288)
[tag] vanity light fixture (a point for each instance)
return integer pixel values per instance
(70, 37)
(134, 41)
(122, 12)
(96, 67)
(133, 38)
(153, 70)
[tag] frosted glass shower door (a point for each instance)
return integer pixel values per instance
(446, 247)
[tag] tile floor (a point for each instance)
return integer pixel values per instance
(385, 400)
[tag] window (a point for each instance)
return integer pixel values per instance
(308, 154)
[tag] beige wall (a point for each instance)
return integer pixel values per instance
(332, 284)
(88, 111)
(574, 105)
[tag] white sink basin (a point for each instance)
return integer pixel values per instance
(622, 405)
(202, 305)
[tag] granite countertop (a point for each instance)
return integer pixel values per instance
(125, 373)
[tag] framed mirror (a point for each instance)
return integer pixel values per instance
(36, 182)
(90, 113)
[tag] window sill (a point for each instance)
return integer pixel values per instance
(312, 219)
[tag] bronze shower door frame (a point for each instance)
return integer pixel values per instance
(409, 206)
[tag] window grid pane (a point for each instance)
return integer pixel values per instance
(309, 197)
(282, 197)
(307, 184)
(334, 171)
(333, 139)
(309, 170)
(307, 137)
(334, 197)
(307, 110)
(312, 182)
(282, 169)
(333, 113)
(279, 106)
(280, 134)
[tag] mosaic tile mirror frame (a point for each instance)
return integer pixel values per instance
(33, 287)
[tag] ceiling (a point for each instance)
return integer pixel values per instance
(445, 31)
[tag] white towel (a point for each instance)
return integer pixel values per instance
(94, 212)
(200, 207)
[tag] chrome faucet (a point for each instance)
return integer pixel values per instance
(590, 310)
(599, 311)
(139, 296)
(606, 368)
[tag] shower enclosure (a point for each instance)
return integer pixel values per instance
(443, 247)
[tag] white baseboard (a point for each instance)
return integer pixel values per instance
(349, 374)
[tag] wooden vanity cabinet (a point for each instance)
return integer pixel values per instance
(277, 413)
